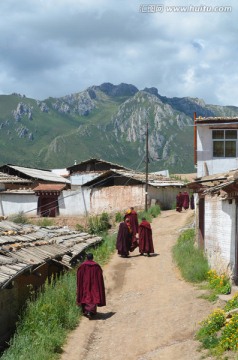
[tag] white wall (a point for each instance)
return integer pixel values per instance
(12, 203)
(74, 202)
(166, 196)
(80, 179)
(220, 230)
(205, 154)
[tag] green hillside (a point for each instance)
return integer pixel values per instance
(105, 121)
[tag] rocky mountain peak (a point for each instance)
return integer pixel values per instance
(118, 90)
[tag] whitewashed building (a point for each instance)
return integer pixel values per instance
(31, 191)
(216, 144)
(216, 189)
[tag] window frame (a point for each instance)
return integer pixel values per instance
(226, 140)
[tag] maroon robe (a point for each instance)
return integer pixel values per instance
(185, 200)
(132, 216)
(123, 244)
(179, 202)
(145, 238)
(90, 286)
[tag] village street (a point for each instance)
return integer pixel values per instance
(151, 312)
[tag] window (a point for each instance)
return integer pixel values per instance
(224, 143)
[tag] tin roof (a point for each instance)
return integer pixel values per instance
(24, 247)
(45, 175)
(94, 165)
(216, 182)
(49, 187)
(6, 179)
(217, 119)
(154, 179)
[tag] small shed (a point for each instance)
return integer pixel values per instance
(129, 186)
(89, 169)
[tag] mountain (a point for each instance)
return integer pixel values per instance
(107, 122)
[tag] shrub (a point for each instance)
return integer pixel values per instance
(19, 218)
(119, 217)
(232, 303)
(219, 283)
(154, 211)
(229, 339)
(218, 333)
(211, 324)
(98, 224)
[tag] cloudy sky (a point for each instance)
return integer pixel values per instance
(59, 47)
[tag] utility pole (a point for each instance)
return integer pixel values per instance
(146, 165)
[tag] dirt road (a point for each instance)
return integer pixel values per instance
(151, 312)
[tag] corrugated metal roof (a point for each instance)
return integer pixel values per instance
(24, 247)
(40, 174)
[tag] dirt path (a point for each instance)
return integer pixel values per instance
(151, 312)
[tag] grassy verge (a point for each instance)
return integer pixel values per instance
(218, 332)
(43, 326)
(190, 260)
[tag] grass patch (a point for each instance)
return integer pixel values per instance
(152, 212)
(190, 260)
(44, 222)
(19, 218)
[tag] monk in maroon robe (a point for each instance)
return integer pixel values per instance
(185, 200)
(179, 202)
(145, 238)
(131, 214)
(192, 202)
(124, 235)
(90, 287)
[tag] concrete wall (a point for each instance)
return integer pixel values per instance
(74, 202)
(116, 198)
(165, 196)
(205, 154)
(13, 203)
(220, 230)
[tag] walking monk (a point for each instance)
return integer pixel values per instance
(124, 235)
(90, 287)
(145, 238)
(131, 214)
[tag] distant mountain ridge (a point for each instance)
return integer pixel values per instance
(106, 121)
